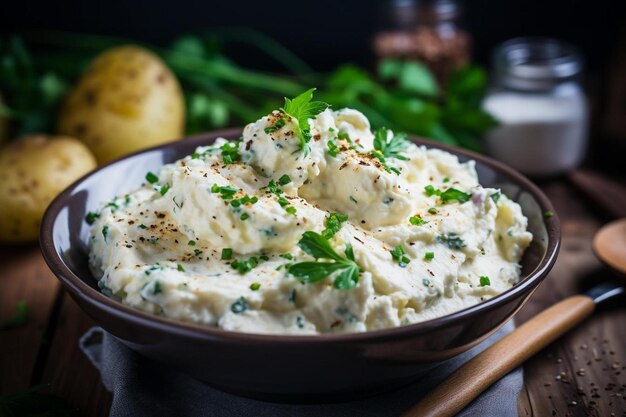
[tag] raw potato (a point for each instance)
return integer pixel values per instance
(126, 101)
(33, 170)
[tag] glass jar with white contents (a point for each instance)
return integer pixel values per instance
(542, 110)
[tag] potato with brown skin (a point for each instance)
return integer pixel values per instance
(126, 101)
(33, 170)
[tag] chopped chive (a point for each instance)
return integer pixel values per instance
(180, 268)
(192, 243)
(227, 253)
(291, 210)
(417, 221)
(244, 216)
(151, 178)
(429, 256)
(284, 180)
(255, 286)
(484, 281)
(433, 210)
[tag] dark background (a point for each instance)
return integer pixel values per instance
(323, 32)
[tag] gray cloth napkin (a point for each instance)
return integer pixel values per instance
(142, 389)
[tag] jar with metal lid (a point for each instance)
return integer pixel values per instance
(537, 98)
(427, 31)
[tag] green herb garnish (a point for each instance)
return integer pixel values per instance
(244, 266)
(433, 210)
(255, 286)
(105, 231)
(391, 146)
(333, 224)
(284, 180)
(495, 197)
(157, 288)
(548, 214)
(428, 256)
(151, 178)
(453, 194)
(244, 216)
(484, 281)
(164, 189)
(318, 247)
(180, 268)
(333, 149)
(417, 221)
(227, 253)
(230, 152)
(91, 217)
(300, 109)
(397, 254)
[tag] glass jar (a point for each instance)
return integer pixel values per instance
(537, 98)
(427, 31)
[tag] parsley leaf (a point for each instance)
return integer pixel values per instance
(397, 254)
(301, 109)
(454, 194)
(333, 224)
(151, 178)
(317, 246)
(391, 147)
(417, 221)
(484, 281)
(230, 152)
(91, 217)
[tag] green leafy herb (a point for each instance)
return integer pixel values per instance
(333, 224)
(484, 281)
(227, 253)
(91, 217)
(452, 240)
(383, 162)
(180, 268)
(142, 226)
(273, 188)
(433, 210)
(239, 306)
(318, 247)
(230, 152)
(152, 178)
(164, 189)
(226, 191)
(197, 252)
(446, 179)
(430, 191)
(244, 266)
(495, 197)
(157, 288)
(391, 147)
(301, 109)
(255, 286)
(428, 256)
(284, 180)
(548, 214)
(286, 256)
(333, 149)
(417, 221)
(105, 231)
(397, 254)
(453, 194)
(244, 216)
(19, 318)
(192, 243)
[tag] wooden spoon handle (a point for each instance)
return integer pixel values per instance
(480, 372)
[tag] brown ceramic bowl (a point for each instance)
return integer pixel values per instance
(289, 368)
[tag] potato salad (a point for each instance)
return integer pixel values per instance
(310, 223)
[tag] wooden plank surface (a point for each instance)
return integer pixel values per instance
(581, 374)
(23, 277)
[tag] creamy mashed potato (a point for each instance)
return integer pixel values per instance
(218, 238)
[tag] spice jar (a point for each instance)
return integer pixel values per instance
(427, 31)
(537, 98)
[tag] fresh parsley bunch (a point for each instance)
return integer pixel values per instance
(299, 110)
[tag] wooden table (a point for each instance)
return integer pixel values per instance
(582, 374)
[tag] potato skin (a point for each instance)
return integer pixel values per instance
(33, 170)
(127, 100)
